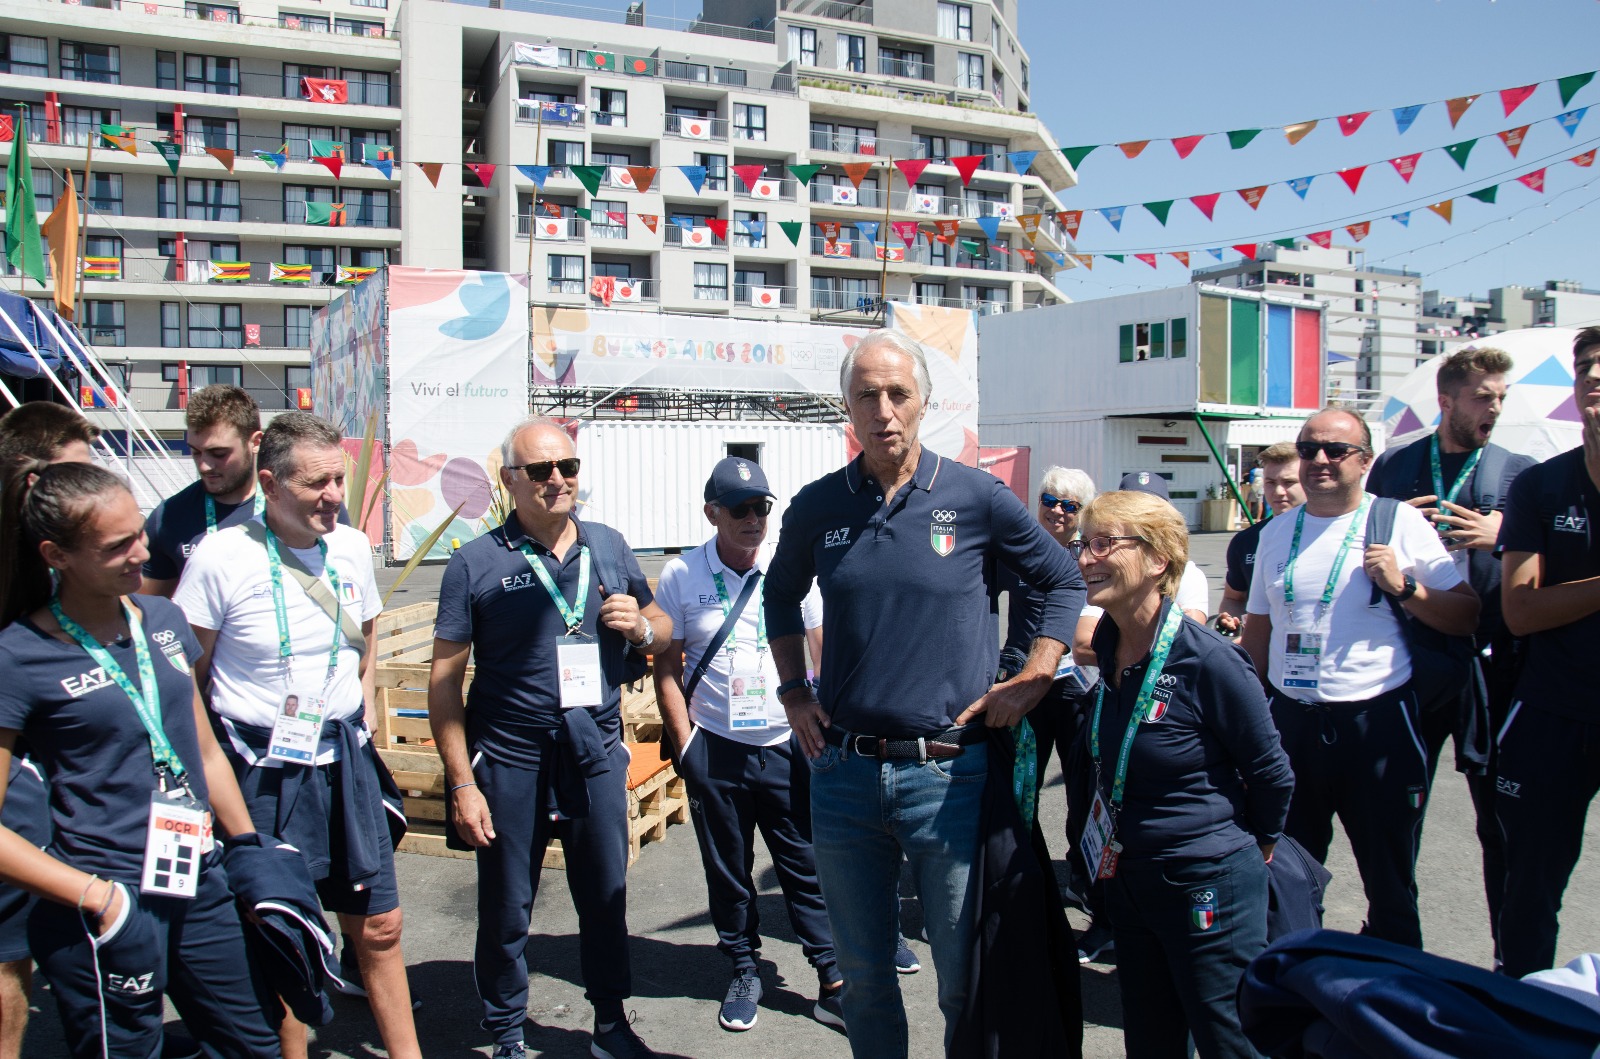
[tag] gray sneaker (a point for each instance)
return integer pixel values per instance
(510, 1051)
(830, 1008)
(740, 1006)
(619, 1042)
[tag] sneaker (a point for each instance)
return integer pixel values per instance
(348, 980)
(1094, 943)
(830, 1008)
(739, 1007)
(619, 1042)
(177, 1046)
(515, 1050)
(905, 961)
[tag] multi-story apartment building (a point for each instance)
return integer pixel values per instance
(1452, 321)
(205, 75)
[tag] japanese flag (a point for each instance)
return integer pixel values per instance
(621, 178)
(697, 237)
(764, 189)
(695, 128)
(766, 297)
(550, 228)
(627, 290)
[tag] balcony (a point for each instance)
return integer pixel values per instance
(866, 196)
(672, 235)
(150, 268)
(844, 10)
(559, 115)
(756, 296)
(554, 229)
(623, 291)
(767, 189)
(912, 67)
(692, 128)
(592, 13)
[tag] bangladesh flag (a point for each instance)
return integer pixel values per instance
(599, 60)
(638, 65)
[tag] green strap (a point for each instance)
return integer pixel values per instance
(571, 613)
(1025, 772)
(1438, 471)
(1357, 522)
(727, 608)
(1141, 706)
(281, 609)
(146, 707)
(211, 511)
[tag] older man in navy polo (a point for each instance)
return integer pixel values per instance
(905, 545)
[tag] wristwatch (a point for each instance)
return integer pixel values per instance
(791, 685)
(1407, 592)
(649, 636)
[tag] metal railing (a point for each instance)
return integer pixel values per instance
(591, 13)
(568, 229)
(865, 196)
(672, 235)
(224, 14)
(685, 126)
(755, 296)
(368, 214)
(785, 188)
(844, 10)
(167, 270)
(915, 69)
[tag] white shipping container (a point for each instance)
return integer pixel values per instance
(647, 478)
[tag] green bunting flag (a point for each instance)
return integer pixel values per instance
(1075, 155)
(1160, 209)
(170, 153)
(1459, 151)
(792, 229)
(1241, 137)
(584, 212)
(24, 244)
(972, 246)
(589, 176)
(1569, 85)
(1485, 194)
(804, 173)
(1287, 244)
(1118, 258)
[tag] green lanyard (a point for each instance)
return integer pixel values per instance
(1025, 773)
(146, 707)
(211, 511)
(275, 568)
(1438, 472)
(727, 606)
(572, 613)
(1141, 705)
(1357, 521)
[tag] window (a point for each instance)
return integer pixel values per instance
(716, 170)
(844, 292)
(749, 121)
(969, 71)
(211, 12)
(679, 71)
(215, 327)
(369, 3)
(304, 23)
(81, 125)
(369, 88)
(105, 323)
(166, 198)
(1158, 340)
(366, 209)
(615, 269)
(903, 62)
(744, 279)
(194, 268)
(29, 56)
(930, 293)
(994, 32)
(1178, 342)
(98, 63)
(293, 88)
(934, 148)
(803, 45)
(322, 259)
(166, 69)
(171, 326)
(1024, 78)
(202, 375)
(299, 138)
(295, 197)
(355, 27)
(212, 74)
(210, 200)
(610, 158)
(566, 274)
(602, 226)
(955, 21)
(295, 377)
(562, 154)
(852, 53)
(710, 282)
(986, 300)
(105, 193)
(730, 75)
(200, 133)
(742, 237)
(608, 106)
(999, 85)
(362, 144)
(103, 246)
(44, 189)
(827, 136)
(365, 256)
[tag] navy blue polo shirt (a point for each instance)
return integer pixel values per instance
(1210, 777)
(84, 732)
(1242, 556)
(178, 523)
(491, 598)
(1551, 512)
(909, 638)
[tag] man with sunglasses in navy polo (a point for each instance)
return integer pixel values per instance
(1336, 663)
(547, 607)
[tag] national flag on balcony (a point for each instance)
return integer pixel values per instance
(228, 271)
(550, 228)
(302, 398)
(102, 268)
(764, 189)
(619, 176)
(844, 196)
(890, 253)
(89, 397)
(923, 203)
(353, 274)
(599, 60)
(325, 90)
(638, 65)
(694, 128)
(766, 298)
(535, 54)
(252, 334)
(326, 149)
(627, 290)
(297, 274)
(117, 136)
(560, 113)
(838, 248)
(866, 145)
(328, 214)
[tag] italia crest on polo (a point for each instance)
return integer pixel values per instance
(942, 537)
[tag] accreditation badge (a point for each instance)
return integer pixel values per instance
(174, 842)
(297, 729)
(747, 700)
(1302, 659)
(578, 670)
(1100, 851)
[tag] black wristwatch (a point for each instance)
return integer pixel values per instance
(791, 685)
(1407, 592)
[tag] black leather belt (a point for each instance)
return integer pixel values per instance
(949, 743)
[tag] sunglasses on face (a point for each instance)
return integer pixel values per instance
(1099, 547)
(1071, 507)
(540, 472)
(761, 506)
(1335, 450)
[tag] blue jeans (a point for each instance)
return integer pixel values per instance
(865, 815)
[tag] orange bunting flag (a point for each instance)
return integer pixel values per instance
(1026, 254)
(1359, 232)
(830, 230)
(1513, 138)
(1406, 165)
(1457, 107)
(911, 169)
(1512, 98)
(1181, 257)
(1322, 239)
(1585, 159)
(1349, 123)
(1247, 249)
(1444, 209)
(1070, 220)
(650, 220)
(1030, 224)
(431, 170)
(223, 155)
(1534, 180)
(1185, 145)
(643, 177)
(1298, 131)
(1086, 260)
(1253, 196)
(947, 230)
(1352, 177)
(966, 165)
(551, 208)
(1149, 259)
(1133, 148)
(857, 172)
(1207, 204)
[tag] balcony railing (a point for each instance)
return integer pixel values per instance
(692, 128)
(553, 229)
(229, 14)
(915, 69)
(865, 196)
(761, 296)
(593, 13)
(672, 235)
(845, 10)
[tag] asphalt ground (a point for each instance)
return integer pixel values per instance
(679, 977)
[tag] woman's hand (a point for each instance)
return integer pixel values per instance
(113, 907)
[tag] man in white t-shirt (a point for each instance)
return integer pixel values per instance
(284, 607)
(1339, 669)
(735, 751)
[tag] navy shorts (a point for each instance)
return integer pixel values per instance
(27, 812)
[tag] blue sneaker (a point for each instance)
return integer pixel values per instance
(830, 1008)
(905, 961)
(618, 1042)
(740, 1006)
(510, 1051)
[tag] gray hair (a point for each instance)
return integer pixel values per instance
(1069, 483)
(287, 431)
(526, 423)
(898, 342)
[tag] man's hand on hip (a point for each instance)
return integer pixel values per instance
(1006, 704)
(806, 720)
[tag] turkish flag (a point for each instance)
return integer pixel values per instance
(323, 90)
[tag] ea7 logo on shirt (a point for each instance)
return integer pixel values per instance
(1571, 524)
(1507, 788)
(84, 683)
(516, 581)
(129, 984)
(836, 538)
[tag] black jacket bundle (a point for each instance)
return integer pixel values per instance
(287, 937)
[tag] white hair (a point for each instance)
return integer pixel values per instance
(1069, 483)
(526, 423)
(896, 341)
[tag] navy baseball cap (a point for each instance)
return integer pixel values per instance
(1145, 482)
(734, 479)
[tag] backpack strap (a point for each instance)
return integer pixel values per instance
(315, 587)
(1488, 479)
(1380, 530)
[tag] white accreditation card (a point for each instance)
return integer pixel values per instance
(747, 700)
(1302, 659)
(1097, 837)
(297, 729)
(1072, 673)
(174, 842)
(578, 668)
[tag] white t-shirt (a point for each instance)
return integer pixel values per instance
(1363, 652)
(1194, 593)
(226, 587)
(687, 593)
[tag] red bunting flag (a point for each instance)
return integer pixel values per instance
(1322, 239)
(1359, 232)
(484, 171)
(1298, 131)
(1206, 204)
(643, 176)
(1585, 159)
(650, 220)
(1534, 180)
(1458, 106)
(1349, 123)
(1181, 257)
(1512, 98)
(1185, 145)
(1444, 209)
(551, 208)
(1513, 138)
(1070, 220)
(966, 165)
(1026, 254)
(830, 230)
(431, 170)
(857, 172)
(617, 217)
(1149, 259)
(718, 226)
(948, 230)
(334, 164)
(1133, 148)
(906, 230)
(996, 248)
(1352, 177)
(749, 174)
(911, 169)
(1253, 196)
(1247, 249)
(1406, 165)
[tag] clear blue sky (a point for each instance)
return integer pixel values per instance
(1140, 69)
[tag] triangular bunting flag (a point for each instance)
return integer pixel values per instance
(1513, 138)
(1149, 259)
(792, 229)
(688, 223)
(1253, 196)
(947, 231)
(1185, 145)
(868, 230)
(650, 221)
(1133, 148)
(749, 174)
(1512, 98)
(1070, 220)
(906, 230)
(1113, 214)
(1021, 161)
(972, 246)
(1359, 231)
(1458, 106)
(1298, 131)
(802, 173)
(1404, 116)
(1444, 209)
(1459, 151)
(1056, 258)
(1076, 155)
(1349, 123)
(223, 155)
(1215, 252)
(966, 165)
(718, 225)
(1086, 260)
(536, 173)
(335, 165)
(584, 212)
(1569, 85)
(1403, 219)
(115, 136)
(1534, 180)
(911, 169)
(857, 171)
(620, 217)
(589, 176)
(1322, 239)
(1160, 210)
(1287, 244)
(1181, 257)
(1030, 224)
(990, 226)
(1352, 177)
(1301, 185)
(696, 175)
(384, 166)
(170, 153)
(1487, 194)
(1247, 249)
(1118, 258)
(1027, 256)
(1586, 159)
(1241, 137)
(643, 177)
(1406, 165)
(1206, 204)
(1570, 119)
(431, 170)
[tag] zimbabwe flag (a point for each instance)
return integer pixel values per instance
(102, 268)
(229, 271)
(300, 274)
(350, 276)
